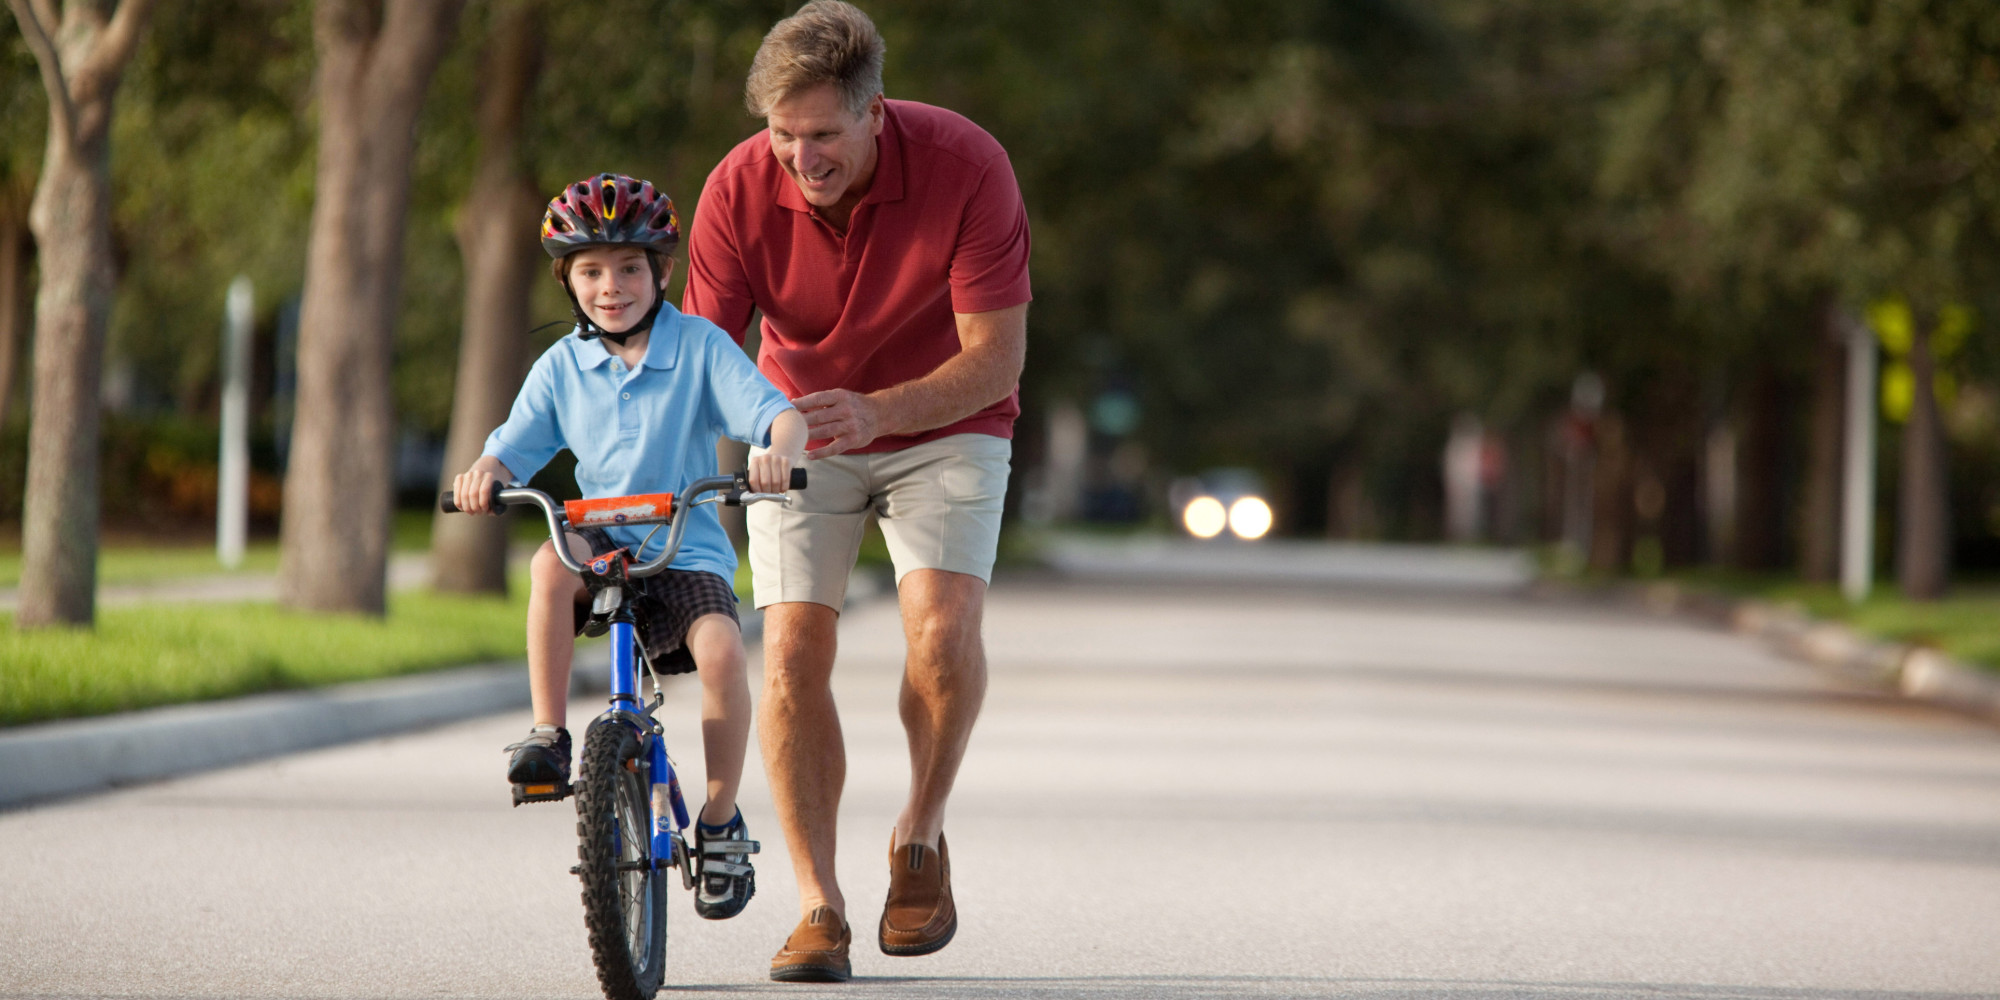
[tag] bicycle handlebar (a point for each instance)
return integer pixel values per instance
(738, 486)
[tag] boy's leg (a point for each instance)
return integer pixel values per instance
(553, 593)
(716, 643)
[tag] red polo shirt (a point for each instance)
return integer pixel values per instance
(941, 230)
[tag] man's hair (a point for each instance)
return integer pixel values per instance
(827, 41)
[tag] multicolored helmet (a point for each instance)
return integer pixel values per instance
(610, 210)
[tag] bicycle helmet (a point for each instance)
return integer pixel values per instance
(610, 210)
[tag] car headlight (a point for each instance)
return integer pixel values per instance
(1204, 517)
(1249, 518)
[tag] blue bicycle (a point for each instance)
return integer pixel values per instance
(631, 823)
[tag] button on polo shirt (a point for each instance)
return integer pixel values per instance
(651, 429)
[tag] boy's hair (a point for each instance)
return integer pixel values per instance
(827, 41)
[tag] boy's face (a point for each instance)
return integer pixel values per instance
(614, 285)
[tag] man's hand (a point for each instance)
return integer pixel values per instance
(992, 348)
(851, 419)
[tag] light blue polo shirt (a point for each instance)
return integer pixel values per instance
(651, 429)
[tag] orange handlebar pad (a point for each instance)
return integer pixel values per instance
(646, 508)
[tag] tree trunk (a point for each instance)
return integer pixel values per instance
(81, 60)
(374, 67)
(1760, 511)
(13, 278)
(495, 238)
(1611, 499)
(1819, 527)
(1923, 535)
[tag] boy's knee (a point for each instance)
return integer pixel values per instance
(716, 643)
(547, 574)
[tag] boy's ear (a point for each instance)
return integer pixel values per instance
(666, 272)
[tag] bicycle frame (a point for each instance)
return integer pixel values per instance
(669, 816)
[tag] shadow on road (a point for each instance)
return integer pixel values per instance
(1280, 987)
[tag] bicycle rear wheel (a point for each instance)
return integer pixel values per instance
(624, 895)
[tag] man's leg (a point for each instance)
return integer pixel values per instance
(798, 730)
(944, 684)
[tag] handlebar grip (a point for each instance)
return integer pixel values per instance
(449, 505)
(798, 479)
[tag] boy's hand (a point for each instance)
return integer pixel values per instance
(472, 490)
(771, 472)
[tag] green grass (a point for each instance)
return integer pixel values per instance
(165, 653)
(1965, 624)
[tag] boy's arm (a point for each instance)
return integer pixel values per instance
(771, 472)
(471, 489)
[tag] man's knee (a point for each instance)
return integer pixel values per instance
(942, 613)
(799, 640)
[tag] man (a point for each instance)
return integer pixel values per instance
(887, 247)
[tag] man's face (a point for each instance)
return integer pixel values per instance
(614, 285)
(828, 151)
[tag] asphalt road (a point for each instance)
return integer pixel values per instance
(1174, 792)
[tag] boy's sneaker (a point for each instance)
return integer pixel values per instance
(727, 880)
(541, 759)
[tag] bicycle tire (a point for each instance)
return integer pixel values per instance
(625, 910)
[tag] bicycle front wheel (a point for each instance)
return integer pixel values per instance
(624, 894)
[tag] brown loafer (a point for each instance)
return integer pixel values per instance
(816, 952)
(919, 917)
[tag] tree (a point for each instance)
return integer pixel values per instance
(495, 227)
(375, 64)
(81, 53)
(23, 129)
(15, 254)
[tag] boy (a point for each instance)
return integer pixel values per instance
(639, 393)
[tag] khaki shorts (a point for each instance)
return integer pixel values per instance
(938, 504)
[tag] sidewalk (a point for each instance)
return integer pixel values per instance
(407, 570)
(53, 760)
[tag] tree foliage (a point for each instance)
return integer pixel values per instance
(1304, 236)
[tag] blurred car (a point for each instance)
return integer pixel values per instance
(1218, 500)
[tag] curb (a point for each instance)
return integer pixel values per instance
(1918, 673)
(76, 756)
(52, 760)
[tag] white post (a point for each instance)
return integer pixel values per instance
(1857, 536)
(232, 493)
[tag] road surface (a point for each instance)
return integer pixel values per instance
(1174, 792)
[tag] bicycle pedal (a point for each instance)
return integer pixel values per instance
(541, 792)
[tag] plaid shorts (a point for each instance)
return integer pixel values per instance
(666, 606)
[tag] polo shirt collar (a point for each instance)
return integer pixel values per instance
(663, 347)
(887, 184)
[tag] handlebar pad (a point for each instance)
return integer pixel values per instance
(449, 506)
(798, 479)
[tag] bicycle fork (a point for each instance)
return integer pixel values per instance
(669, 814)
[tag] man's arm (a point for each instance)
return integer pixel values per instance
(992, 348)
